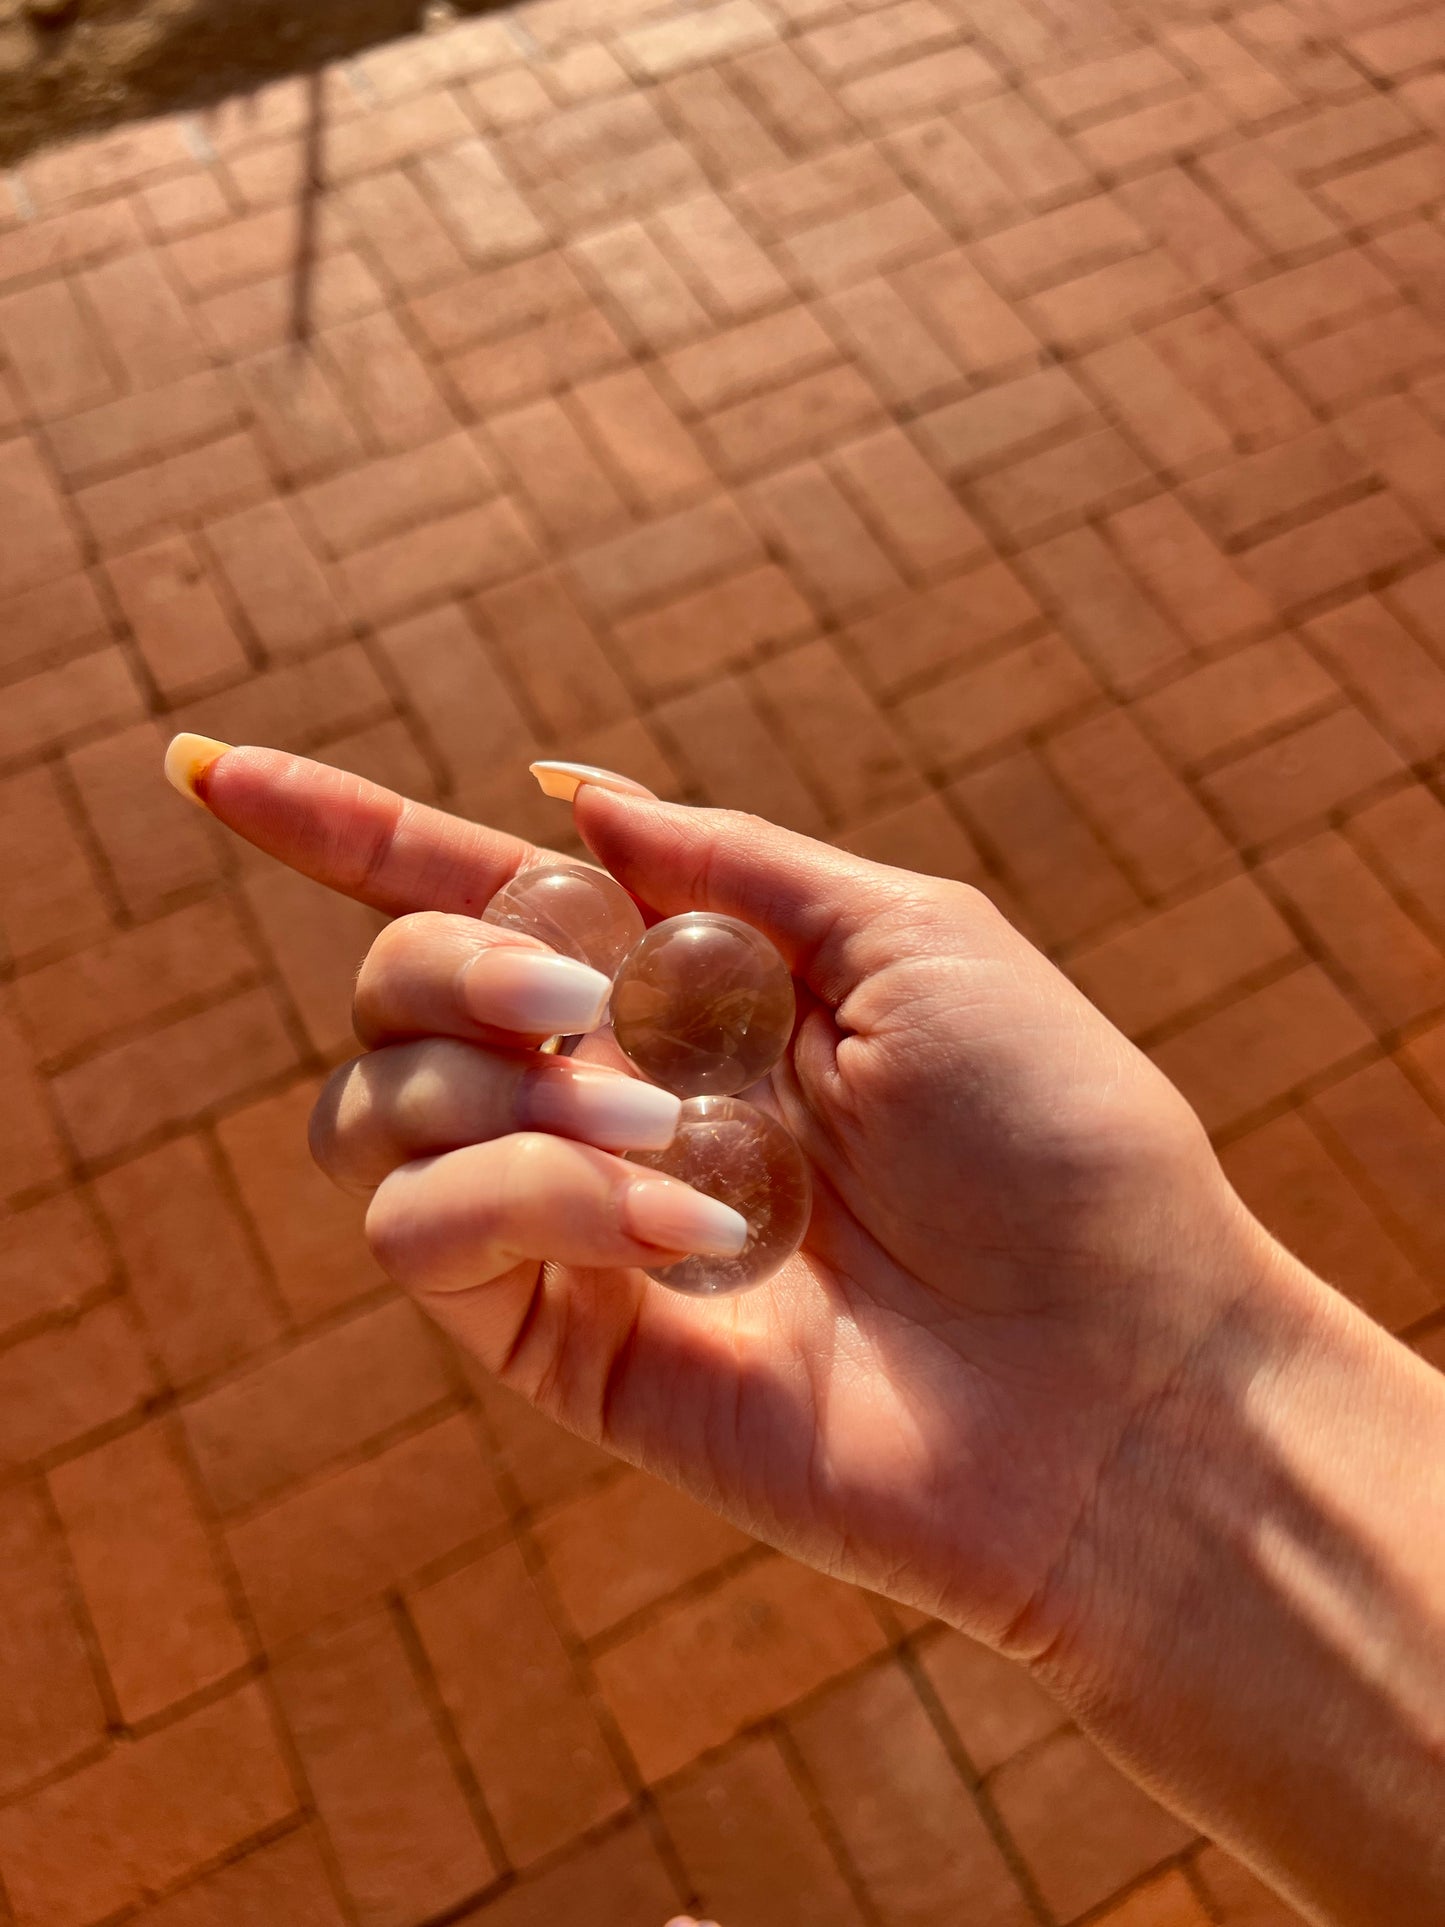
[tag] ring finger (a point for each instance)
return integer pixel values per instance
(413, 1100)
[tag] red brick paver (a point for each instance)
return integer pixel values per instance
(1002, 438)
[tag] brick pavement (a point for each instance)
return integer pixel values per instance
(1005, 438)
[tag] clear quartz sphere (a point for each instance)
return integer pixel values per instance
(735, 1152)
(579, 912)
(704, 1005)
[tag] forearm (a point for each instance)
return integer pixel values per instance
(1261, 1633)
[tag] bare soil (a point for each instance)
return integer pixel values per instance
(105, 61)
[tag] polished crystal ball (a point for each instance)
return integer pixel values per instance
(737, 1153)
(704, 1005)
(577, 911)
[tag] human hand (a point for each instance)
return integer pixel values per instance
(1020, 1233)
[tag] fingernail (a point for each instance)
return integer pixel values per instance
(607, 1108)
(662, 1212)
(189, 762)
(563, 780)
(534, 993)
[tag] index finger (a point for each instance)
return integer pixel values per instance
(354, 836)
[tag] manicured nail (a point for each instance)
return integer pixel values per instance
(662, 1212)
(534, 993)
(189, 762)
(563, 780)
(607, 1108)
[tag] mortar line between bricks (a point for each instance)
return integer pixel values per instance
(31, 962)
(256, 1842)
(259, 975)
(290, 1335)
(1424, 1327)
(1208, 1905)
(442, 1724)
(1424, 1088)
(257, 658)
(640, 1804)
(725, 189)
(770, 716)
(81, 1761)
(976, 1783)
(1252, 855)
(796, 1767)
(224, 1176)
(1415, 908)
(123, 635)
(393, 683)
(1151, 1037)
(1404, 1234)
(274, 1084)
(769, 1723)
(1367, 487)
(637, 1623)
(412, 1425)
(66, 1317)
(309, 1060)
(642, 1800)
(78, 816)
(161, 1412)
(1172, 1863)
(1421, 140)
(251, 1671)
(1366, 1057)
(356, 1611)
(81, 1616)
(592, 438)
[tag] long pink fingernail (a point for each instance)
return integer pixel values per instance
(662, 1212)
(533, 992)
(605, 1107)
(563, 780)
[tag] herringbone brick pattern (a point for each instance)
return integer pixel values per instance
(1004, 437)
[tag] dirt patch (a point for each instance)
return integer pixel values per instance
(112, 60)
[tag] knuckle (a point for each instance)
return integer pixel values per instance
(396, 938)
(383, 964)
(523, 1159)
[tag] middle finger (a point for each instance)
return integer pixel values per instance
(434, 974)
(419, 1099)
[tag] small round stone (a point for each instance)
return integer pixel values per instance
(732, 1151)
(704, 1005)
(579, 912)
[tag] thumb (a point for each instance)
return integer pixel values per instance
(822, 907)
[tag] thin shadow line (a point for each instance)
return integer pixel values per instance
(312, 187)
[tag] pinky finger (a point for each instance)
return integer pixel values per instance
(448, 1223)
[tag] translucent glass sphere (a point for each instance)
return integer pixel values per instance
(704, 1005)
(734, 1152)
(579, 912)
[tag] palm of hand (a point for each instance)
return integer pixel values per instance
(947, 1365)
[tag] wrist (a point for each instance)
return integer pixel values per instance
(1187, 1472)
(1255, 1626)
